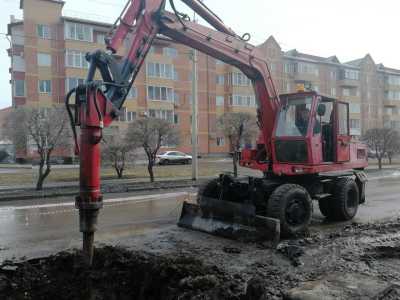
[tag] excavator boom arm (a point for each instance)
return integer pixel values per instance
(144, 19)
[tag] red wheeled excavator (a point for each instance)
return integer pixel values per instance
(304, 149)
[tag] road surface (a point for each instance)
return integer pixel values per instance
(36, 228)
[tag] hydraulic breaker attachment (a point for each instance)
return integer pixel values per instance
(93, 112)
(231, 220)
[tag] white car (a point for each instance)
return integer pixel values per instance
(173, 157)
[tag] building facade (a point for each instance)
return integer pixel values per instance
(48, 58)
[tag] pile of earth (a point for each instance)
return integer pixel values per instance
(120, 274)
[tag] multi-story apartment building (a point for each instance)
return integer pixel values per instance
(48, 58)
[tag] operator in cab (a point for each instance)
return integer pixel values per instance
(302, 118)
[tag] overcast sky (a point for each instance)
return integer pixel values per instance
(347, 28)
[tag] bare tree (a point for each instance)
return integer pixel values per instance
(393, 147)
(118, 151)
(238, 127)
(380, 140)
(46, 129)
(151, 134)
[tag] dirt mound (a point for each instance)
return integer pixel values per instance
(117, 274)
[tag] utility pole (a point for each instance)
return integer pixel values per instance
(194, 116)
(195, 165)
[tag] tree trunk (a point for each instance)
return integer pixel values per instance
(150, 169)
(39, 183)
(380, 163)
(43, 176)
(390, 159)
(235, 168)
(120, 172)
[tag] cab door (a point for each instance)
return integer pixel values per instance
(342, 132)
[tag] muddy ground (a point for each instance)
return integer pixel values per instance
(357, 261)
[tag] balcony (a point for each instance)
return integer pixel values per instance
(348, 82)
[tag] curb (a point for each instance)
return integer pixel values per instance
(106, 189)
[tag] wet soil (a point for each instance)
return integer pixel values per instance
(116, 274)
(179, 264)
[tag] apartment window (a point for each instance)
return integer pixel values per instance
(389, 111)
(307, 68)
(132, 92)
(392, 80)
(220, 141)
(350, 92)
(76, 59)
(73, 82)
(159, 70)
(288, 68)
(43, 31)
(167, 115)
(44, 59)
(45, 86)
(160, 93)
(79, 32)
(19, 88)
(239, 79)
(395, 124)
(355, 108)
(18, 63)
(355, 126)
(123, 115)
(170, 52)
(351, 74)
(243, 100)
(392, 95)
(101, 38)
(220, 100)
(333, 92)
(333, 75)
(220, 79)
(130, 116)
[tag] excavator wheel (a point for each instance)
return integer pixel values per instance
(345, 200)
(292, 205)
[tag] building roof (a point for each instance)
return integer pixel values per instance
(311, 58)
(90, 22)
(21, 2)
(356, 62)
(382, 68)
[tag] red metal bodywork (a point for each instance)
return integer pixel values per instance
(349, 154)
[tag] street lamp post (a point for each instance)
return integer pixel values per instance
(194, 116)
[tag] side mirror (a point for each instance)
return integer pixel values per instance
(321, 109)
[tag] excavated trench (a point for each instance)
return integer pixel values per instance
(353, 262)
(116, 274)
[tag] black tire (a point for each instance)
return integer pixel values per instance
(209, 189)
(345, 200)
(292, 205)
(166, 162)
(189, 162)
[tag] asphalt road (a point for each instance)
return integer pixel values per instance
(36, 228)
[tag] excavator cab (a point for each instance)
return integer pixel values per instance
(312, 135)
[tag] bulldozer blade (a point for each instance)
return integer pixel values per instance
(230, 220)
